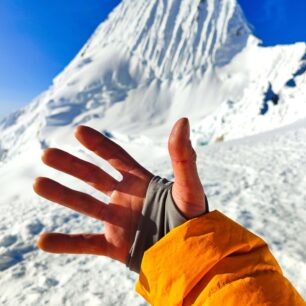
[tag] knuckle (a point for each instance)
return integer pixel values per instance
(92, 175)
(193, 154)
(100, 213)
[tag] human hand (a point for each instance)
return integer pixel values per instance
(121, 216)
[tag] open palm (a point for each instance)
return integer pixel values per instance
(121, 216)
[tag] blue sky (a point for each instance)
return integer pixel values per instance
(276, 21)
(39, 38)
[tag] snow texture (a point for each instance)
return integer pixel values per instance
(148, 64)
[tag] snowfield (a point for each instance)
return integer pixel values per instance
(258, 181)
(147, 65)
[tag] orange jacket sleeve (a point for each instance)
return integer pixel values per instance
(211, 260)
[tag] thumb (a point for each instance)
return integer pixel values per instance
(187, 190)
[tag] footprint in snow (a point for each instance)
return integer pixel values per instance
(8, 240)
(35, 227)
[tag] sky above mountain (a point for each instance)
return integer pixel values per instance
(276, 21)
(38, 40)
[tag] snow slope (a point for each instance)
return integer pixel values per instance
(148, 64)
(258, 181)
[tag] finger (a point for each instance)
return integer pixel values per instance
(105, 148)
(182, 154)
(187, 182)
(78, 201)
(81, 169)
(74, 244)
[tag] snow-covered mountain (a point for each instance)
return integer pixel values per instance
(151, 62)
(148, 64)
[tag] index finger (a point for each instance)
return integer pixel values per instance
(105, 148)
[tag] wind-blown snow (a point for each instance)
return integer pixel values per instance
(147, 65)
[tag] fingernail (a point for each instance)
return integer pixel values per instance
(186, 127)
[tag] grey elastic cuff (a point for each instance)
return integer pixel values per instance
(159, 216)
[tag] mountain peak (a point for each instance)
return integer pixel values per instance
(175, 37)
(152, 62)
